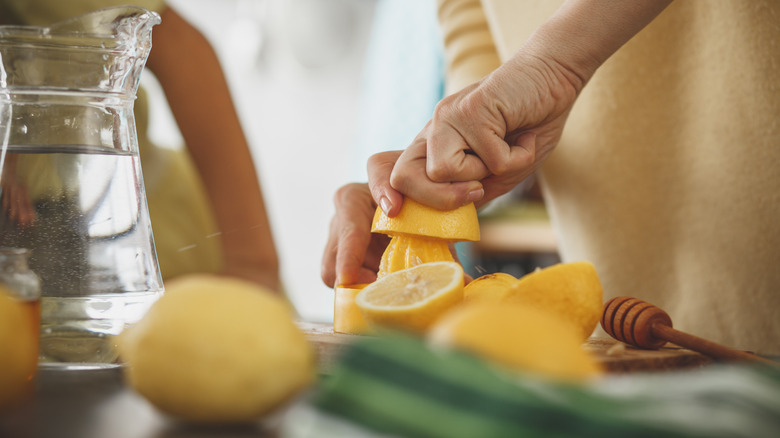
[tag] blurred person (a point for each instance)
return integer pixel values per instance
(664, 173)
(205, 201)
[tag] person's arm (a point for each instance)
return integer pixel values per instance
(499, 130)
(485, 139)
(194, 84)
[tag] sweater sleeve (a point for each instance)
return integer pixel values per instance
(470, 53)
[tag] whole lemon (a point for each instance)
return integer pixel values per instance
(217, 349)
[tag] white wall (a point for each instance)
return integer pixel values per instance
(295, 69)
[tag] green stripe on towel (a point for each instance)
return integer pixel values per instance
(398, 385)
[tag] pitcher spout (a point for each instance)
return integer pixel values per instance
(123, 29)
(104, 51)
(127, 26)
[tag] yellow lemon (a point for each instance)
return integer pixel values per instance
(217, 349)
(19, 327)
(571, 290)
(492, 287)
(420, 220)
(405, 251)
(413, 298)
(421, 234)
(517, 337)
(346, 315)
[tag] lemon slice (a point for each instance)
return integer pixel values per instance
(413, 298)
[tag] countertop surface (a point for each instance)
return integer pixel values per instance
(97, 403)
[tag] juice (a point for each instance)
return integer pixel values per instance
(19, 331)
(33, 315)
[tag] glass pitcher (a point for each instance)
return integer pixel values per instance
(70, 177)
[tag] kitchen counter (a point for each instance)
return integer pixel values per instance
(96, 403)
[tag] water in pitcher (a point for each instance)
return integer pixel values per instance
(81, 213)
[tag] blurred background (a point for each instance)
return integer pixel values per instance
(320, 85)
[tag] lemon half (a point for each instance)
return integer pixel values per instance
(412, 298)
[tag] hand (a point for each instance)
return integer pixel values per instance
(485, 139)
(353, 252)
(500, 129)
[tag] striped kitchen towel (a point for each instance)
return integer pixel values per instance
(399, 386)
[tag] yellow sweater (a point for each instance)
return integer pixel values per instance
(666, 176)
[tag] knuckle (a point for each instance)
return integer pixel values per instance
(441, 171)
(374, 159)
(345, 193)
(399, 179)
(498, 167)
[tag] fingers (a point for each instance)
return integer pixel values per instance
(352, 252)
(328, 264)
(409, 177)
(412, 173)
(380, 167)
(469, 139)
(459, 139)
(450, 157)
(352, 248)
(466, 137)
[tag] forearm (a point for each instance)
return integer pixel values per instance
(200, 101)
(583, 34)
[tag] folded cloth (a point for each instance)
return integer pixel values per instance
(400, 386)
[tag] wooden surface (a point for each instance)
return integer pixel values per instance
(614, 356)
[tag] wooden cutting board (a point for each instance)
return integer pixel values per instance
(613, 355)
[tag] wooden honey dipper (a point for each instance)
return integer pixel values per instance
(644, 325)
